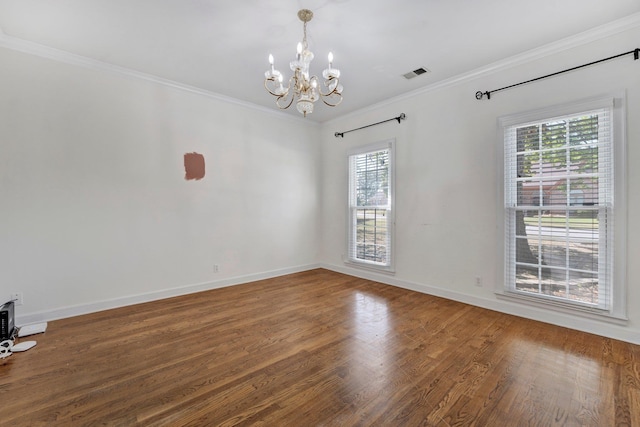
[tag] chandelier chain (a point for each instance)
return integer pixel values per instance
(304, 37)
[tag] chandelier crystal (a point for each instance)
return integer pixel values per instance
(301, 85)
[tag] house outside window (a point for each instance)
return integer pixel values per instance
(562, 167)
(371, 223)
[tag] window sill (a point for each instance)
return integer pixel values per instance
(370, 267)
(564, 308)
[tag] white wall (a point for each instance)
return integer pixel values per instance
(447, 184)
(95, 211)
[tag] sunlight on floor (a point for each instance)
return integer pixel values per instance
(371, 317)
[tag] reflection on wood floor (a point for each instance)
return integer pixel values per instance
(317, 349)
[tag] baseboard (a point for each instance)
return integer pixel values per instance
(593, 326)
(71, 311)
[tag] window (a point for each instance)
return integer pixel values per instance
(560, 206)
(371, 206)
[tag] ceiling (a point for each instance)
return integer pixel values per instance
(221, 46)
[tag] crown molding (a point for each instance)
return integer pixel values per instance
(597, 33)
(31, 48)
(577, 40)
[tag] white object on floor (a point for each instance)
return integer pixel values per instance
(23, 346)
(5, 349)
(36, 328)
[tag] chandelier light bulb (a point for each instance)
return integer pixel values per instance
(330, 56)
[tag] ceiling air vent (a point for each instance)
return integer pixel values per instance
(415, 73)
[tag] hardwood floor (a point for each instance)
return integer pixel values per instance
(317, 349)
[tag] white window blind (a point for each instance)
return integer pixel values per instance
(559, 201)
(370, 206)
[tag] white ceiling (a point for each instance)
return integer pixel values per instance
(221, 46)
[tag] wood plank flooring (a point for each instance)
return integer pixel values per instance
(317, 348)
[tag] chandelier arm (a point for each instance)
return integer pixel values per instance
(328, 94)
(334, 90)
(273, 93)
(285, 107)
(331, 93)
(330, 104)
(292, 80)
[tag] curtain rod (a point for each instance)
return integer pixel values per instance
(402, 116)
(636, 55)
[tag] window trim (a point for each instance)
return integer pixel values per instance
(377, 146)
(618, 309)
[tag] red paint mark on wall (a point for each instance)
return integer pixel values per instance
(193, 166)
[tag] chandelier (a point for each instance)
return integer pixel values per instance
(301, 86)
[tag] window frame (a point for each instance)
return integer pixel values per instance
(350, 259)
(616, 311)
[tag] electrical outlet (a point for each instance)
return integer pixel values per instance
(478, 281)
(215, 268)
(18, 298)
